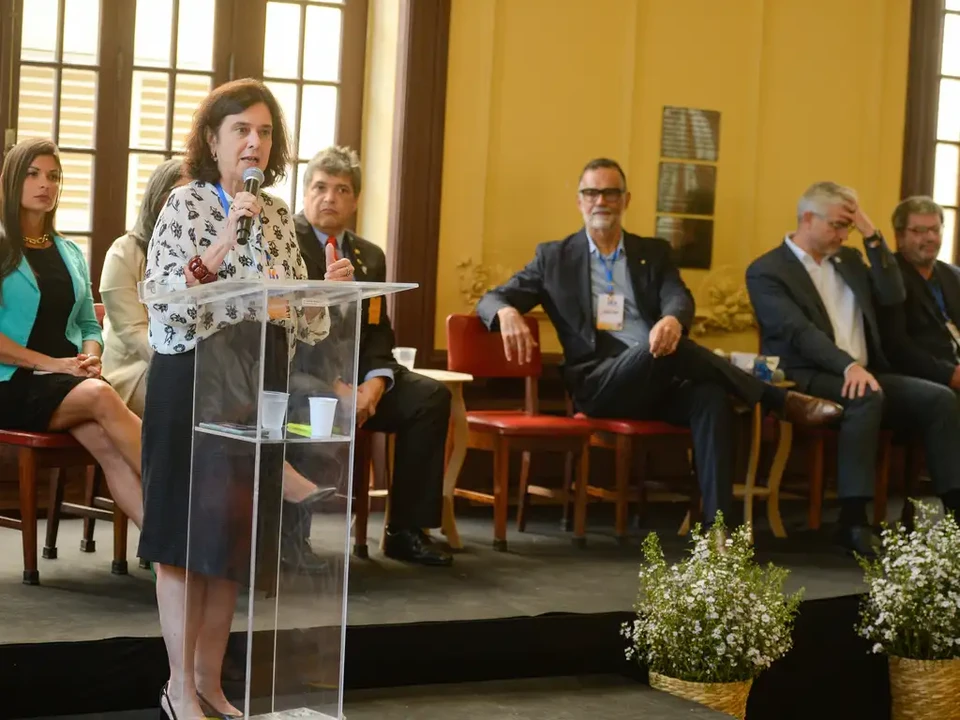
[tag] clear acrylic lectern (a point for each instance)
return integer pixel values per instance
(272, 460)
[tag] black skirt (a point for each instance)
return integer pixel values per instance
(28, 401)
(198, 489)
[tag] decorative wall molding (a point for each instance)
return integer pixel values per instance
(475, 279)
(725, 306)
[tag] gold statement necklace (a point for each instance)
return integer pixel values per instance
(37, 242)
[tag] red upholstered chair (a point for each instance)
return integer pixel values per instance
(62, 451)
(472, 349)
(627, 439)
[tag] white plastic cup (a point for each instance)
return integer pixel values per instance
(322, 412)
(273, 409)
(405, 356)
(743, 360)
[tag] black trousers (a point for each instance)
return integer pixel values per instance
(690, 388)
(903, 403)
(417, 410)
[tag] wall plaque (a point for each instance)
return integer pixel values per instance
(691, 240)
(690, 134)
(686, 188)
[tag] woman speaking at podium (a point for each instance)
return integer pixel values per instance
(237, 127)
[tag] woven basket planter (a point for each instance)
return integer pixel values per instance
(924, 689)
(729, 698)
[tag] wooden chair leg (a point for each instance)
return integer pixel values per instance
(120, 526)
(815, 480)
(623, 460)
(391, 452)
(501, 490)
(361, 496)
(57, 483)
(566, 522)
(523, 501)
(882, 483)
(90, 491)
(28, 514)
(580, 503)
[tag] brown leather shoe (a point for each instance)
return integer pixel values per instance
(801, 409)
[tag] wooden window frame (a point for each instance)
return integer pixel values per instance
(237, 52)
(927, 20)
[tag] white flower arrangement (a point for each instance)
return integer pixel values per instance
(714, 617)
(912, 606)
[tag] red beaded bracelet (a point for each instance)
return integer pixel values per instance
(200, 271)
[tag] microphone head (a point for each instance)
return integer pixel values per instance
(253, 173)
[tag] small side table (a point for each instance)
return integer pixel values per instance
(458, 448)
(771, 492)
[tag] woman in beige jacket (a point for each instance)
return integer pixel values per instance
(126, 350)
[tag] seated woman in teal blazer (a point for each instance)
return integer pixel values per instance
(50, 341)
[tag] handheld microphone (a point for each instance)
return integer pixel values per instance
(252, 179)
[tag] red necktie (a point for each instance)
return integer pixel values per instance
(332, 241)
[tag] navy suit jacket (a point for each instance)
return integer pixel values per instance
(369, 265)
(916, 338)
(558, 278)
(794, 324)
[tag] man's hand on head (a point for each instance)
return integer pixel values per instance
(854, 214)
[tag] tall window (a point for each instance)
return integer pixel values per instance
(59, 73)
(947, 162)
(116, 82)
(172, 72)
(305, 77)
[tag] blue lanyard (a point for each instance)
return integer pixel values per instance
(226, 209)
(609, 268)
(223, 199)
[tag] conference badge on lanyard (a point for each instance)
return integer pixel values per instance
(610, 305)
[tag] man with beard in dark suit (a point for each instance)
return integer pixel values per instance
(622, 313)
(921, 337)
(390, 398)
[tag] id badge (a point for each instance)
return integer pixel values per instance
(609, 311)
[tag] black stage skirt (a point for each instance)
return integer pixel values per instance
(198, 489)
(28, 400)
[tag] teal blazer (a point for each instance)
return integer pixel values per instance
(21, 299)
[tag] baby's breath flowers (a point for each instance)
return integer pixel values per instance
(716, 616)
(912, 606)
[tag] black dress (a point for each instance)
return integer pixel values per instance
(198, 489)
(28, 400)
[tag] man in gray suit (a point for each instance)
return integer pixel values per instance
(816, 301)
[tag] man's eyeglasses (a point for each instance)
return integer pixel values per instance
(924, 229)
(609, 194)
(840, 224)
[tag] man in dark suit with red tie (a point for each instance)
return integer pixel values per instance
(622, 313)
(390, 398)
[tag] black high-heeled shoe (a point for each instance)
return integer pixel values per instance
(211, 712)
(166, 707)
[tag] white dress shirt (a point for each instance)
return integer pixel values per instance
(845, 314)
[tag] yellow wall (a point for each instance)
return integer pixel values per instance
(808, 90)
